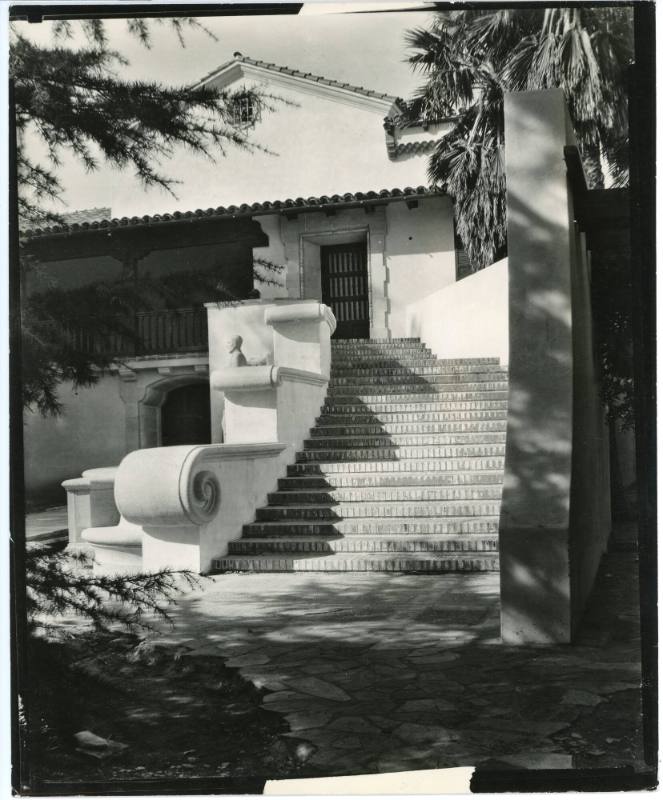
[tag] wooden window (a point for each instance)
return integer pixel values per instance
(245, 110)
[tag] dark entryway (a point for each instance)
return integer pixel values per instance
(345, 288)
(185, 416)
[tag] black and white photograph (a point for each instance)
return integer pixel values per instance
(332, 398)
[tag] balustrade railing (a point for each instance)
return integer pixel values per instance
(149, 333)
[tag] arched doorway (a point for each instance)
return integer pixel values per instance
(185, 415)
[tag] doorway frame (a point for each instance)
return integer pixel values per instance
(149, 407)
(309, 230)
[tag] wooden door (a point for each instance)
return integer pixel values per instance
(345, 288)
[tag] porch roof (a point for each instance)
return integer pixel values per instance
(288, 207)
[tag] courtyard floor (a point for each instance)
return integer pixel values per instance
(46, 525)
(388, 672)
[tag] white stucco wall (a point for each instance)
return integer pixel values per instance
(468, 319)
(89, 433)
(317, 145)
(410, 254)
(420, 255)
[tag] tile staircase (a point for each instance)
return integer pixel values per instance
(402, 472)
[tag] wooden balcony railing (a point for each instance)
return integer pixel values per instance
(181, 330)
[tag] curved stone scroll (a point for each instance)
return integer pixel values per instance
(168, 486)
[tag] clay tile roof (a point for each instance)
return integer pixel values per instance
(86, 216)
(415, 147)
(243, 210)
(238, 57)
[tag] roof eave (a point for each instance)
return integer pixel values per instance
(318, 85)
(287, 208)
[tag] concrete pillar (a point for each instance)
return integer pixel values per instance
(534, 524)
(90, 503)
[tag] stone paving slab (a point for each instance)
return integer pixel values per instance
(389, 672)
(39, 524)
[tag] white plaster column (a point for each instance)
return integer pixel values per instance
(90, 503)
(550, 539)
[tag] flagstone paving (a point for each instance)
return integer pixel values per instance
(41, 525)
(388, 672)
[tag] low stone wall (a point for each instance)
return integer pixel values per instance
(467, 319)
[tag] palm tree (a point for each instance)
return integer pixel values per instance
(470, 58)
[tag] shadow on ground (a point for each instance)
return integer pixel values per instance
(384, 672)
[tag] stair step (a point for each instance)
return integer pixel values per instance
(374, 357)
(328, 431)
(406, 370)
(375, 340)
(376, 347)
(438, 407)
(374, 494)
(403, 526)
(400, 480)
(399, 440)
(392, 562)
(341, 365)
(401, 473)
(408, 402)
(411, 380)
(388, 419)
(409, 465)
(338, 511)
(396, 453)
(440, 543)
(426, 387)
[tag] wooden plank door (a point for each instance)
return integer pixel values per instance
(345, 288)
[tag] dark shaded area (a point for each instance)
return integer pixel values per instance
(424, 653)
(39, 12)
(344, 278)
(181, 716)
(643, 244)
(492, 778)
(185, 416)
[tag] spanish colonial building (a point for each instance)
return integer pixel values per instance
(336, 180)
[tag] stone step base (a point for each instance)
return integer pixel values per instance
(402, 465)
(400, 453)
(425, 387)
(391, 479)
(361, 544)
(329, 431)
(393, 562)
(404, 526)
(385, 494)
(403, 439)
